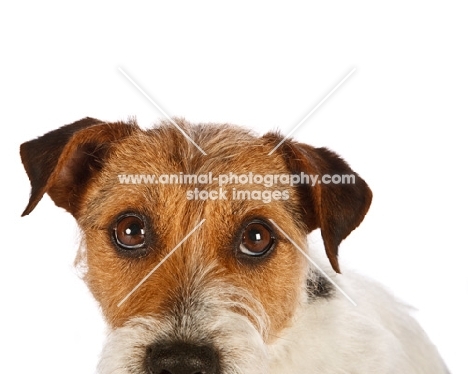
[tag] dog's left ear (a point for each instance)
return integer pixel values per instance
(335, 208)
(62, 162)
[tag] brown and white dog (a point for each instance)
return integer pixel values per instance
(195, 276)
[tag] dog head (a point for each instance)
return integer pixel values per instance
(194, 275)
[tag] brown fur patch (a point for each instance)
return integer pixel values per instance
(81, 175)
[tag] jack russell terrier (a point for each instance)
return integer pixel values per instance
(194, 245)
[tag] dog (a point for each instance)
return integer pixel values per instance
(195, 276)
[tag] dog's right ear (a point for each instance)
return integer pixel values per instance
(61, 162)
(337, 209)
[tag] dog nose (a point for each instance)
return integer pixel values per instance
(181, 358)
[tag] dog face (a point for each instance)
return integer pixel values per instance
(214, 301)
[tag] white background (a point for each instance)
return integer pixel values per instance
(399, 120)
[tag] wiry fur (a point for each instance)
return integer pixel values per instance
(327, 336)
(212, 317)
(330, 335)
(270, 315)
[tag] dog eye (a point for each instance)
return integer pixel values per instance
(257, 239)
(129, 232)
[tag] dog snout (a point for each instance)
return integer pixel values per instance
(182, 358)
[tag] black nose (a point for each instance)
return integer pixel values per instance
(181, 358)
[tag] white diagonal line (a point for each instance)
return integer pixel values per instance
(313, 110)
(161, 262)
(313, 263)
(162, 111)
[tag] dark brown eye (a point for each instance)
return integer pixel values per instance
(257, 239)
(129, 232)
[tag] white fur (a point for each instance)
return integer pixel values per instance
(377, 336)
(238, 340)
(328, 335)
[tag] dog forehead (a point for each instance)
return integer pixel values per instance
(165, 149)
(160, 170)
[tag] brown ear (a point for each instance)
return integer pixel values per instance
(337, 209)
(62, 161)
